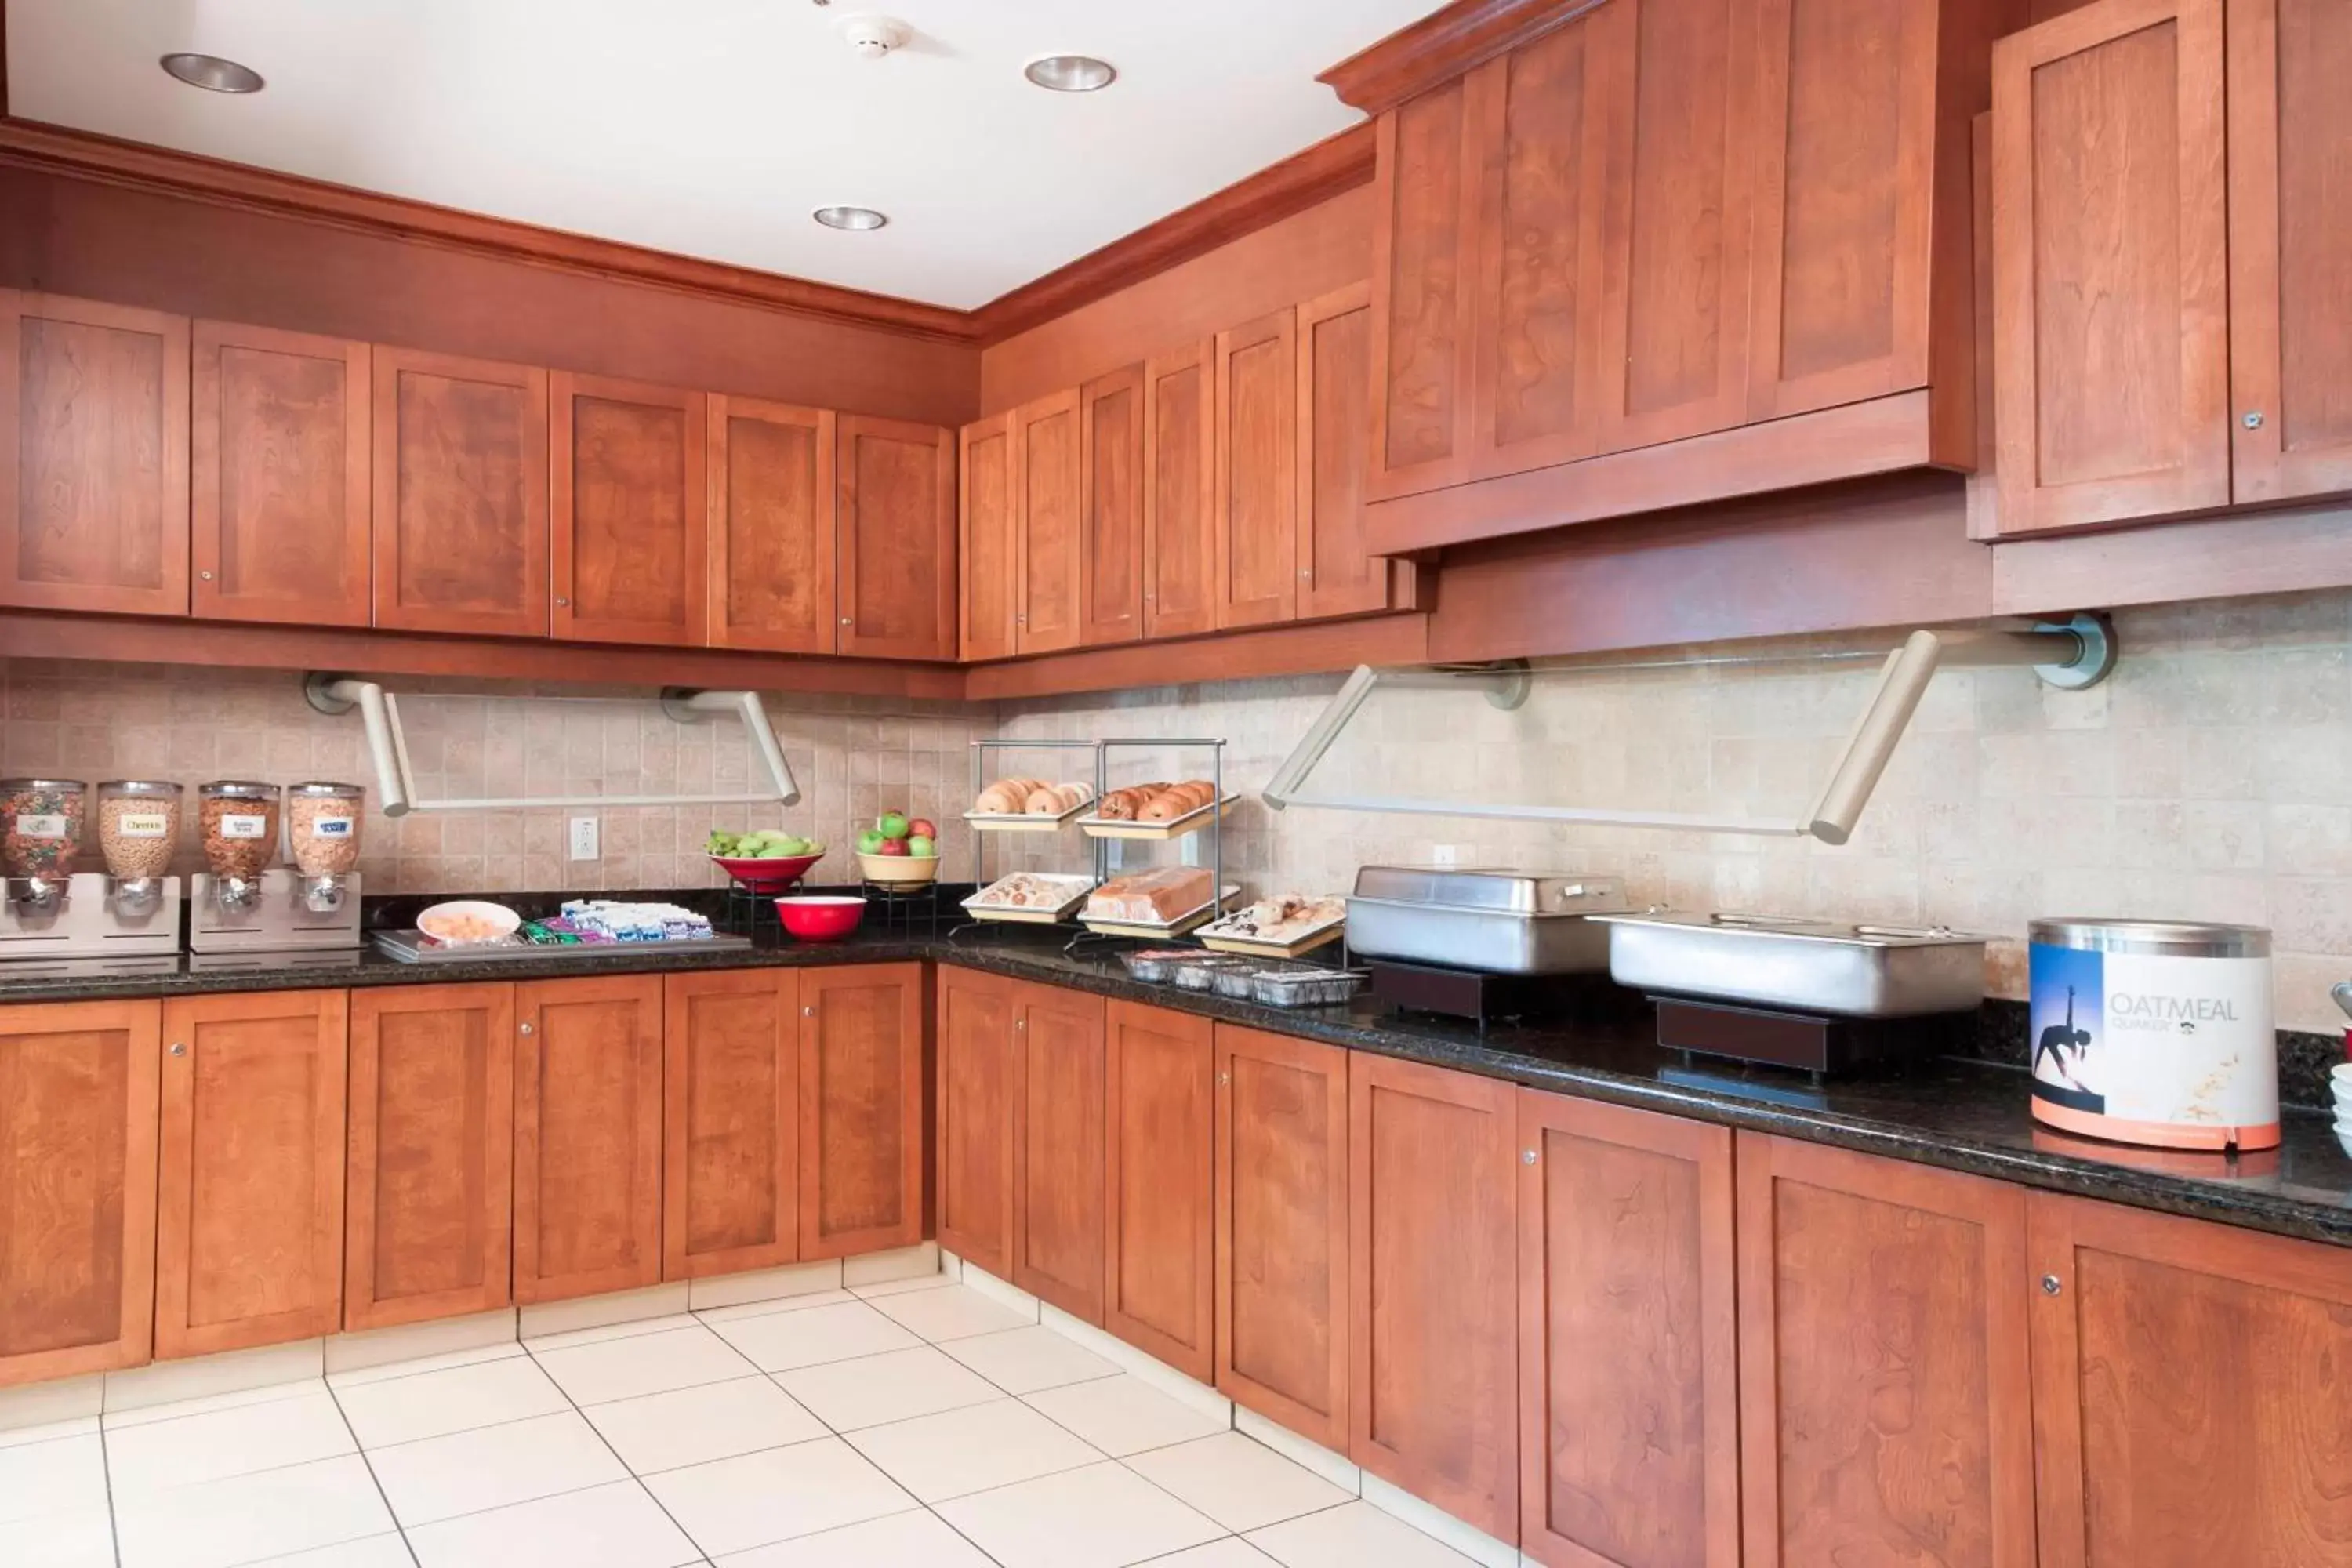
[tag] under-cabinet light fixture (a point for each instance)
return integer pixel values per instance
(212, 73)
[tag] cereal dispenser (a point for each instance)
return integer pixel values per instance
(138, 832)
(40, 832)
(246, 902)
(322, 830)
(127, 916)
(238, 823)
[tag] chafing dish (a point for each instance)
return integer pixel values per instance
(1797, 965)
(1501, 922)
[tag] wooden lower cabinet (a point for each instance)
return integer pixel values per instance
(1281, 1159)
(77, 1105)
(429, 1184)
(973, 1137)
(1883, 1362)
(587, 1136)
(862, 1107)
(1058, 1154)
(1433, 1188)
(2192, 1390)
(730, 1121)
(249, 1222)
(1629, 1394)
(1158, 1143)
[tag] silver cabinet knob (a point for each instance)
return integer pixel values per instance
(845, 620)
(2255, 420)
(1526, 1157)
(1020, 1022)
(808, 1012)
(560, 604)
(2050, 1286)
(1306, 575)
(522, 1029)
(179, 1048)
(1224, 1077)
(205, 575)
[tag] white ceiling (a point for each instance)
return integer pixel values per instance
(712, 127)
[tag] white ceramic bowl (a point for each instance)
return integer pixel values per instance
(500, 919)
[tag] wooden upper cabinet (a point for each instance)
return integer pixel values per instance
(1158, 1263)
(280, 485)
(1425, 193)
(1433, 1196)
(1883, 1362)
(730, 1121)
(2111, 284)
(862, 1109)
(770, 510)
(1282, 1230)
(78, 1118)
(896, 519)
(428, 1190)
(2189, 1388)
(1629, 1402)
(2290, 247)
(587, 1136)
(1179, 487)
(1674, 219)
(978, 1075)
(93, 457)
(1046, 527)
(460, 466)
(984, 529)
(1337, 576)
(1058, 1214)
(249, 1224)
(1110, 507)
(1256, 498)
(1539, 122)
(629, 510)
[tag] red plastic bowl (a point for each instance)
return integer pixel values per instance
(764, 876)
(821, 917)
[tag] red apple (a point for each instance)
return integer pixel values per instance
(893, 846)
(921, 828)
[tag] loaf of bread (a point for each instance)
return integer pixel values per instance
(1052, 800)
(1150, 897)
(1006, 797)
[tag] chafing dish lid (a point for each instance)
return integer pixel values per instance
(1800, 930)
(1489, 891)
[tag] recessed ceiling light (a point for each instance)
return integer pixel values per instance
(857, 219)
(213, 73)
(1069, 73)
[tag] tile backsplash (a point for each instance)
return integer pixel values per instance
(2209, 779)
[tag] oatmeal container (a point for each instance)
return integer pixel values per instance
(322, 830)
(138, 832)
(237, 821)
(40, 833)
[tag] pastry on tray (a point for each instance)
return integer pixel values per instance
(1150, 897)
(1286, 917)
(1031, 890)
(1021, 796)
(1155, 801)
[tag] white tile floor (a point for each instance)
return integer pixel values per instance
(918, 1423)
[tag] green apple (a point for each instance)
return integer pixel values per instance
(892, 825)
(871, 842)
(920, 847)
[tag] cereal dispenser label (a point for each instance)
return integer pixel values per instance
(244, 827)
(331, 827)
(143, 825)
(42, 825)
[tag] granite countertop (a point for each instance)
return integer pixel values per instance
(1960, 1113)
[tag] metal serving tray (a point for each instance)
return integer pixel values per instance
(1803, 966)
(1500, 923)
(415, 947)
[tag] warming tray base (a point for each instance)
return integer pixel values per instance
(415, 947)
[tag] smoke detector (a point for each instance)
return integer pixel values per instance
(871, 36)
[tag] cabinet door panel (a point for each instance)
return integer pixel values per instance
(771, 525)
(630, 508)
(587, 1136)
(430, 1170)
(2190, 1382)
(1882, 1362)
(989, 593)
(1282, 1230)
(862, 1109)
(249, 1224)
(1677, 234)
(77, 1121)
(1424, 195)
(460, 471)
(1057, 1215)
(1845, 169)
(1159, 1145)
(731, 1115)
(93, 457)
(279, 492)
(1179, 518)
(2111, 320)
(1256, 494)
(1539, 124)
(2290, 138)
(979, 1071)
(897, 539)
(1629, 1404)
(1337, 576)
(1111, 488)
(1433, 1401)
(1045, 469)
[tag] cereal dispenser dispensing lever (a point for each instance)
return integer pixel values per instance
(240, 827)
(322, 828)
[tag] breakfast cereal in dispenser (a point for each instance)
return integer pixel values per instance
(237, 821)
(40, 833)
(322, 829)
(139, 832)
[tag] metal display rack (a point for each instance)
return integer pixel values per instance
(1211, 821)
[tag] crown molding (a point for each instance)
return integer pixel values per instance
(1440, 47)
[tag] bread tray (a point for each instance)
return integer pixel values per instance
(1031, 915)
(1175, 828)
(1307, 940)
(1024, 822)
(1177, 927)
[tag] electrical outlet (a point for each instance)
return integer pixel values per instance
(584, 838)
(1442, 855)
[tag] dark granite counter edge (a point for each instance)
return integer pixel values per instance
(2248, 1207)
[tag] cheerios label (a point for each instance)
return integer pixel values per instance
(143, 824)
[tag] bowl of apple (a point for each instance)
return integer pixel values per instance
(899, 851)
(764, 860)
